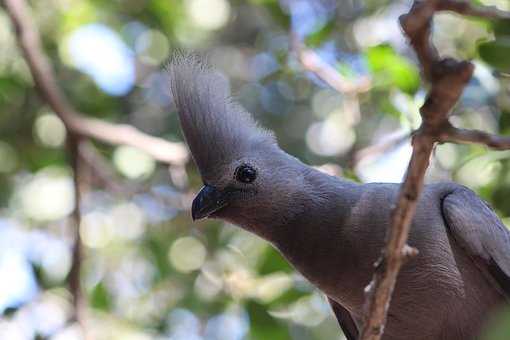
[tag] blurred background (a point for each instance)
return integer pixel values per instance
(335, 80)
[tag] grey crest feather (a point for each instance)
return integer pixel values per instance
(216, 128)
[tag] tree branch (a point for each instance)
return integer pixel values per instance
(78, 128)
(379, 148)
(74, 144)
(456, 135)
(312, 62)
(448, 78)
(45, 80)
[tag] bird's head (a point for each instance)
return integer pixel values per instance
(247, 178)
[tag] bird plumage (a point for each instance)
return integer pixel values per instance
(216, 128)
(332, 230)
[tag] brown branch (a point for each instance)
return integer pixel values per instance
(312, 62)
(417, 25)
(104, 174)
(45, 80)
(463, 136)
(396, 250)
(379, 148)
(74, 143)
(79, 127)
(448, 79)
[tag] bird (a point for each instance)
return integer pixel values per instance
(332, 230)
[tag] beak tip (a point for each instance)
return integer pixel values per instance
(195, 216)
(207, 201)
(196, 211)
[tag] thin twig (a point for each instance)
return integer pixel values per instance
(379, 148)
(74, 144)
(463, 136)
(396, 250)
(104, 173)
(312, 62)
(45, 80)
(350, 89)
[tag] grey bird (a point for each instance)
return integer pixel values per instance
(332, 230)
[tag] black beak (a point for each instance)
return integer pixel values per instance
(207, 201)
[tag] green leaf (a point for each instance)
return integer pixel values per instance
(276, 11)
(290, 296)
(496, 53)
(389, 68)
(504, 122)
(320, 34)
(263, 326)
(501, 28)
(346, 70)
(387, 107)
(499, 327)
(100, 297)
(272, 261)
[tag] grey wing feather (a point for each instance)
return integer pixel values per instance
(345, 320)
(479, 231)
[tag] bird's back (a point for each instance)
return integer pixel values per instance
(440, 294)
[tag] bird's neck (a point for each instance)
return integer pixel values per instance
(324, 200)
(319, 199)
(313, 241)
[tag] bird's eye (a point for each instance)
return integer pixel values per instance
(245, 174)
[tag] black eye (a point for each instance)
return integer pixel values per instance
(245, 174)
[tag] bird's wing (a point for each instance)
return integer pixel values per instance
(480, 232)
(344, 320)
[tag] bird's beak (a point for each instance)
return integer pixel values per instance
(207, 201)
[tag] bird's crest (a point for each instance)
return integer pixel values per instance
(217, 129)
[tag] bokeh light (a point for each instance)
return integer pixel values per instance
(99, 52)
(133, 163)
(147, 270)
(208, 14)
(50, 130)
(48, 195)
(152, 47)
(187, 254)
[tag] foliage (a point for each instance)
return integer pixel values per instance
(148, 271)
